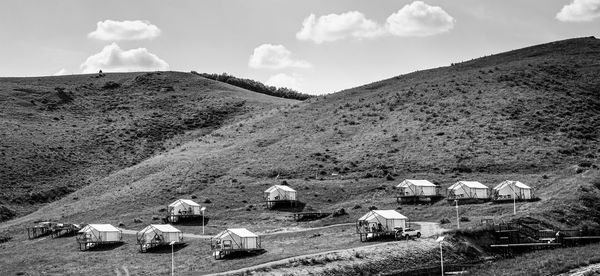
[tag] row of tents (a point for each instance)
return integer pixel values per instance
(508, 189)
(155, 235)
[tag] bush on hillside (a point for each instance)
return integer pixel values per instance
(256, 86)
(464, 219)
(444, 221)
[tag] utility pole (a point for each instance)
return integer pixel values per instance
(457, 217)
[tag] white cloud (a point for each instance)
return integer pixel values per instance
(124, 30)
(113, 59)
(580, 11)
(415, 19)
(61, 72)
(334, 27)
(284, 80)
(274, 57)
(419, 19)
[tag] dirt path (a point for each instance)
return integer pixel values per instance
(428, 229)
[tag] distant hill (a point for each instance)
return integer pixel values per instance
(531, 115)
(58, 134)
(256, 86)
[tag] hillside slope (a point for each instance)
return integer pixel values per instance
(531, 115)
(59, 134)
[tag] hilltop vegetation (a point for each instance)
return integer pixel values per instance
(256, 86)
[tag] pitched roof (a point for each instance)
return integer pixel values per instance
(386, 214)
(470, 184)
(240, 232)
(103, 227)
(422, 183)
(165, 228)
(510, 182)
(282, 187)
(186, 201)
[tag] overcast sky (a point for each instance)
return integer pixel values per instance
(314, 46)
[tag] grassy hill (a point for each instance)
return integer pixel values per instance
(59, 134)
(531, 114)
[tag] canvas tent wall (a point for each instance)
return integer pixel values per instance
(388, 219)
(280, 192)
(159, 233)
(95, 233)
(410, 187)
(237, 239)
(184, 207)
(508, 189)
(468, 189)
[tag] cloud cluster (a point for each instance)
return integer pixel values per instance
(113, 58)
(419, 19)
(61, 72)
(284, 80)
(338, 26)
(124, 30)
(275, 57)
(580, 11)
(416, 19)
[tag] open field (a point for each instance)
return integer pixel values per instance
(531, 115)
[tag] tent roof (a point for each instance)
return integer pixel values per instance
(186, 201)
(509, 182)
(165, 228)
(102, 227)
(240, 232)
(422, 183)
(282, 187)
(386, 214)
(470, 184)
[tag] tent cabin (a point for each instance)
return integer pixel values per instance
(512, 190)
(97, 234)
(414, 191)
(235, 240)
(183, 209)
(464, 190)
(158, 235)
(377, 223)
(280, 194)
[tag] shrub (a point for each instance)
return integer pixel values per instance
(110, 85)
(357, 206)
(373, 207)
(444, 221)
(339, 212)
(138, 220)
(464, 219)
(207, 201)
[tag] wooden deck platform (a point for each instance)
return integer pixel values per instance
(182, 218)
(85, 244)
(223, 253)
(422, 199)
(144, 247)
(465, 200)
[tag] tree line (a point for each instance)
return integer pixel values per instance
(256, 86)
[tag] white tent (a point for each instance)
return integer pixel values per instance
(184, 207)
(468, 189)
(237, 238)
(100, 233)
(280, 192)
(410, 187)
(508, 189)
(159, 233)
(388, 219)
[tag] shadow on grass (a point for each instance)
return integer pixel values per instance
(106, 247)
(164, 249)
(286, 206)
(243, 255)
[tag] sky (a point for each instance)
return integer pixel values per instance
(312, 46)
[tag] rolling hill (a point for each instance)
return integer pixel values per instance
(531, 114)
